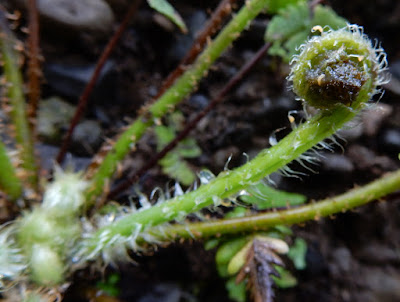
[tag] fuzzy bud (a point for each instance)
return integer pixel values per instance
(332, 68)
(64, 196)
(46, 265)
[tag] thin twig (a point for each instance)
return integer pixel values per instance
(83, 100)
(212, 26)
(379, 188)
(34, 71)
(192, 124)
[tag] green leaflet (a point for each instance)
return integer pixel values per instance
(166, 9)
(292, 26)
(236, 292)
(265, 197)
(174, 164)
(285, 279)
(274, 6)
(297, 253)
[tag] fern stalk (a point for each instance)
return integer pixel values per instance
(9, 182)
(379, 188)
(16, 99)
(228, 183)
(175, 94)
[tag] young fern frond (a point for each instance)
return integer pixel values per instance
(175, 94)
(366, 62)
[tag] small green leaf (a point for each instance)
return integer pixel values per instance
(236, 292)
(225, 253)
(174, 164)
(276, 5)
(239, 259)
(211, 243)
(166, 9)
(188, 148)
(325, 16)
(164, 136)
(110, 286)
(288, 22)
(292, 26)
(264, 197)
(236, 212)
(297, 253)
(177, 168)
(286, 279)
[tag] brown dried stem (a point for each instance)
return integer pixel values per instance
(34, 70)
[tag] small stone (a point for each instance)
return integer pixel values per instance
(183, 42)
(336, 163)
(47, 153)
(70, 80)
(351, 133)
(54, 116)
(366, 160)
(341, 261)
(221, 157)
(390, 141)
(86, 137)
(377, 253)
(199, 101)
(373, 119)
(164, 292)
(383, 284)
(92, 16)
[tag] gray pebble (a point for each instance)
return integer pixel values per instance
(390, 140)
(86, 137)
(54, 116)
(92, 16)
(336, 163)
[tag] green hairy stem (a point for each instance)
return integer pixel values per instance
(15, 96)
(181, 88)
(379, 188)
(9, 182)
(228, 183)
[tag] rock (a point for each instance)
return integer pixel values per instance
(366, 160)
(70, 80)
(316, 263)
(54, 116)
(91, 16)
(222, 156)
(341, 262)
(183, 42)
(390, 141)
(373, 119)
(48, 153)
(86, 137)
(336, 164)
(377, 253)
(165, 292)
(351, 133)
(199, 101)
(384, 285)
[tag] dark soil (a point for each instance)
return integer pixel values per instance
(351, 257)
